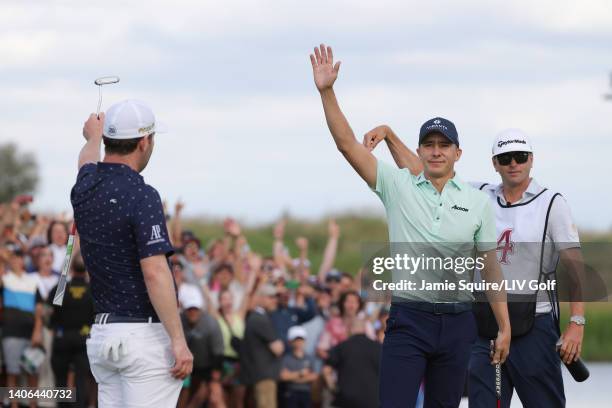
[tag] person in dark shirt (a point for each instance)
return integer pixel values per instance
(297, 371)
(71, 324)
(356, 361)
(205, 341)
(137, 338)
(261, 350)
(284, 316)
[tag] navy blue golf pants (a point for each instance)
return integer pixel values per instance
(420, 346)
(533, 369)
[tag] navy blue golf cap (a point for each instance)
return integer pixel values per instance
(442, 126)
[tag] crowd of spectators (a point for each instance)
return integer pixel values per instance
(265, 329)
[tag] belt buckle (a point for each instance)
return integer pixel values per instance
(437, 311)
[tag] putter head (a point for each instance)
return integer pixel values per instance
(106, 80)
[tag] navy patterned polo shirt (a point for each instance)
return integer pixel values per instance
(120, 220)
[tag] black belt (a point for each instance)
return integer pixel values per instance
(435, 308)
(106, 318)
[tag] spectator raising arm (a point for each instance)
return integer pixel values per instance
(325, 74)
(92, 132)
(331, 248)
(176, 227)
(255, 263)
(280, 255)
(302, 264)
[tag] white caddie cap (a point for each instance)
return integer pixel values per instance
(511, 140)
(296, 332)
(130, 119)
(190, 296)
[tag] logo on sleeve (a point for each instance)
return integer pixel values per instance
(156, 236)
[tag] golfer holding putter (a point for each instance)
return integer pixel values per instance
(425, 338)
(137, 350)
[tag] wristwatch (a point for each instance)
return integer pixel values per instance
(579, 320)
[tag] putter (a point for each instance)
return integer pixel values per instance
(497, 377)
(107, 80)
(58, 299)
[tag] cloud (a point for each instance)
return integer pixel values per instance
(248, 137)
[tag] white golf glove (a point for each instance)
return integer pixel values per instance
(114, 349)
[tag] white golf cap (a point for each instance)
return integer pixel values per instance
(130, 119)
(296, 332)
(190, 296)
(511, 140)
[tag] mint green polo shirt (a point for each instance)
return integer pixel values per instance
(460, 218)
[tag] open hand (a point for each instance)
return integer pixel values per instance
(333, 228)
(231, 227)
(323, 68)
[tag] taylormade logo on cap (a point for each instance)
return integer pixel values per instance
(511, 140)
(503, 143)
(130, 119)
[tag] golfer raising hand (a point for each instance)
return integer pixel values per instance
(137, 350)
(427, 335)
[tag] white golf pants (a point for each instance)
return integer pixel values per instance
(131, 363)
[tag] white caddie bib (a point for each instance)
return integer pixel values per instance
(522, 249)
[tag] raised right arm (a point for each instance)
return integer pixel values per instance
(92, 132)
(325, 74)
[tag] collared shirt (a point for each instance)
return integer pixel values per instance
(562, 230)
(533, 189)
(435, 226)
(417, 212)
(120, 220)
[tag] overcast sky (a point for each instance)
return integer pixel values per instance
(233, 82)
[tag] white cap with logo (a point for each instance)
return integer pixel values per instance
(130, 119)
(511, 140)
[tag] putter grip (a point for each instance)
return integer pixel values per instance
(578, 370)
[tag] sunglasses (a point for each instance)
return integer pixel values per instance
(505, 159)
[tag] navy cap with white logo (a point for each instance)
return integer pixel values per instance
(442, 126)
